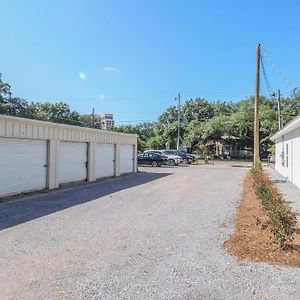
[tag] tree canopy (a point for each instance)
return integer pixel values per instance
(202, 122)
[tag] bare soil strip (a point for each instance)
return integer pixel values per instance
(252, 238)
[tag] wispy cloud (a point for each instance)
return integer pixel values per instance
(110, 69)
(82, 75)
(101, 96)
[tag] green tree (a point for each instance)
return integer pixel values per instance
(56, 112)
(197, 109)
(5, 90)
(216, 128)
(290, 108)
(223, 108)
(144, 130)
(156, 142)
(241, 122)
(166, 125)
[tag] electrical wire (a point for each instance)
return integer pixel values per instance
(281, 74)
(136, 121)
(267, 82)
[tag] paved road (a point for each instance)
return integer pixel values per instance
(155, 235)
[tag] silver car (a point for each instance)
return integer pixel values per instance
(173, 160)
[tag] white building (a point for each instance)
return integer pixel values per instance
(287, 143)
(106, 121)
(37, 155)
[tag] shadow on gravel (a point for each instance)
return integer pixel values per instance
(31, 207)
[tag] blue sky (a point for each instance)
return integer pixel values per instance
(132, 57)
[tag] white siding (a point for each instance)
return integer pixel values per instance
(34, 129)
(281, 165)
(296, 162)
(72, 162)
(105, 160)
(126, 159)
(59, 164)
(288, 156)
(23, 165)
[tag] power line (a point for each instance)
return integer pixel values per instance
(135, 121)
(281, 74)
(151, 97)
(267, 82)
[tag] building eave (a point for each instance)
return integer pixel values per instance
(289, 127)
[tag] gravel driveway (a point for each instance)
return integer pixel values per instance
(155, 235)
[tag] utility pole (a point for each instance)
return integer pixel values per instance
(178, 131)
(256, 159)
(93, 117)
(279, 110)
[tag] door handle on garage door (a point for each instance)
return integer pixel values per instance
(45, 166)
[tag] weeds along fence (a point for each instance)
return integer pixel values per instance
(282, 220)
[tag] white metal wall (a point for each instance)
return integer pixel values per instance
(105, 158)
(287, 156)
(72, 162)
(47, 149)
(296, 162)
(23, 165)
(14, 127)
(126, 159)
(280, 164)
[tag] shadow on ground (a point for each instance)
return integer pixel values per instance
(31, 207)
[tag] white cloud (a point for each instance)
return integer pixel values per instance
(110, 69)
(101, 96)
(82, 75)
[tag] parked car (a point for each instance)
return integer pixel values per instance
(186, 157)
(173, 160)
(152, 159)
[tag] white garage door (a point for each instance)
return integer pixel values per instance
(22, 165)
(295, 160)
(72, 162)
(126, 159)
(104, 160)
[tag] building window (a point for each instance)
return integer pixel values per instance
(282, 156)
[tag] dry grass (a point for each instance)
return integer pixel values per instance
(252, 238)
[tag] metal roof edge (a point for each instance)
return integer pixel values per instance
(40, 122)
(290, 126)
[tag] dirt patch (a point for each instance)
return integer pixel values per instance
(252, 238)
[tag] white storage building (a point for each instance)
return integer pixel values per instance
(287, 143)
(37, 155)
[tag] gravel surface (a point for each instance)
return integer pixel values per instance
(155, 235)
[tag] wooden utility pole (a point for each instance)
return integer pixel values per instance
(178, 131)
(279, 110)
(256, 159)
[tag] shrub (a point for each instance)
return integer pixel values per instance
(282, 219)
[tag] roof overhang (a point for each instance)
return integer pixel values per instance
(292, 125)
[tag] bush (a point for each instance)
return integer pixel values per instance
(282, 219)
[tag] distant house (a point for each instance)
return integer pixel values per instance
(230, 146)
(226, 147)
(287, 147)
